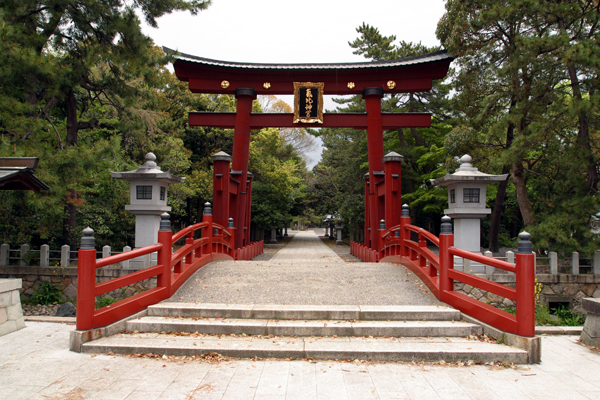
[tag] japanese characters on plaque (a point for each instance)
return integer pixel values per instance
(308, 102)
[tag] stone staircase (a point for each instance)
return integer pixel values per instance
(377, 333)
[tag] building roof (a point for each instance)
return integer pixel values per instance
(148, 170)
(468, 173)
(17, 173)
(401, 62)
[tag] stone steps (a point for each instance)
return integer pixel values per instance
(378, 333)
(375, 349)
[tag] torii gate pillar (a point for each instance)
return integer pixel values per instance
(374, 205)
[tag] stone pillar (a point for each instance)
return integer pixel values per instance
(44, 255)
(4, 255)
(273, 234)
(591, 329)
(125, 264)
(65, 255)
(11, 313)
(24, 259)
(106, 250)
(339, 229)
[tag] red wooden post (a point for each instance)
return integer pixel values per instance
(241, 153)
(380, 242)
(372, 96)
(393, 188)
(248, 208)
(189, 241)
(446, 259)
(86, 281)
(208, 231)
(221, 183)
(231, 229)
(165, 237)
(404, 233)
(525, 286)
(367, 238)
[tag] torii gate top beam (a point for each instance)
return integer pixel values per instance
(413, 74)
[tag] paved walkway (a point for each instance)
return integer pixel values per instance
(35, 363)
(304, 272)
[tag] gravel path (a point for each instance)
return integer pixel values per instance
(305, 271)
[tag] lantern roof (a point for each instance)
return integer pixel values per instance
(468, 173)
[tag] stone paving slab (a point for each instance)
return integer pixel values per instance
(320, 312)
(384, 349)
(315, 276)
(220, 326)
(35, 363)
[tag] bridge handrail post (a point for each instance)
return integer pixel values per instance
(382, 230)
(525, 286)
(404, 232)
(86, 281)
(208, 218)
(446, 259)
(165, 237)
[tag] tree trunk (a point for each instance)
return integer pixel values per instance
(497, 212)
(72, 124)
(522, 196)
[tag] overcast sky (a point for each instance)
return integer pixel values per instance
(294, 31)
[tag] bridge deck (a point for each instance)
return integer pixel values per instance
(305, 272)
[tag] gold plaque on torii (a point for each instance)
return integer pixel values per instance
(308, 102)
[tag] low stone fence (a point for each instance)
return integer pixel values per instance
(65, 279)
(566, 289)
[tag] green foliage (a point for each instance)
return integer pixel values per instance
(104, 301)
(46, 294)
(568, 318)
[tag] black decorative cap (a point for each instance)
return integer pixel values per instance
(230, 223)
(382, 225)
(525, 246)
(405, 210)
(165, 222)
(87, 241)
(207, 209)
(245, 92)
(373, 91)
(446, 227)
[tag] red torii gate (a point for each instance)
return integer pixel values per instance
(232, 187)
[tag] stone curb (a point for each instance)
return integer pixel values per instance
(44, 318)
(558, 330)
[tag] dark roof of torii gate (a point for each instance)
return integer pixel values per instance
(412, 74)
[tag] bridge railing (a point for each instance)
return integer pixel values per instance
(173, 268)
(437, 272)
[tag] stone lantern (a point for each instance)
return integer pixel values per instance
(467, 189)
(148, 199)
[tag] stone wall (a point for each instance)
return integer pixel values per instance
(564, 288)
(66, 280)
(11, 315)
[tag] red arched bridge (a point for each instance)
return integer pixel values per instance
(226, 234)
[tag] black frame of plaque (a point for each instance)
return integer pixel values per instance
(306, 94)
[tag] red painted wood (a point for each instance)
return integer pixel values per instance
(117, 258)
(482, 311)
(86, 280)
(286, 87)
(285, 120)
(393, 193)
(129, 306)
(483, 284)
(483, 259)
(526, 294)
(241, 153)
(127, 280)
(375, 157)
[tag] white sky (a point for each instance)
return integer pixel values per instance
(294, 31)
